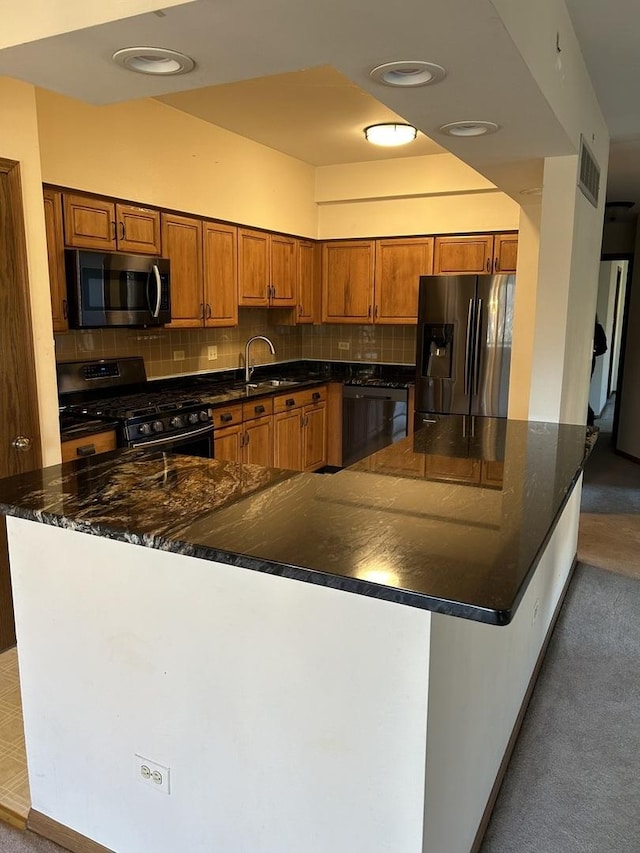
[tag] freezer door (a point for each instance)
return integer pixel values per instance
(493, 325)
(444, 343)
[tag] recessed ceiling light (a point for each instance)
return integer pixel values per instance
(469, 128)
(407, 73)
(153, 60)
(390, 134)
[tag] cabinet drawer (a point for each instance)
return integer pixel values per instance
(257, 408)
(286, 402)
(226, 416)
(78, 448)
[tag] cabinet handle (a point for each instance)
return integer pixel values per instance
(290, 402)
(316, 395)
(115, 230)
(369, 312)
(226, 417)
(122, 235)
(208, 311)
(497, 265)
(300, 311)
(246, 439)
(202, 310)
(259, 410)
(242, 439)
(488, 264)
(86, 450)
(65, 309)
(375, 313)
(301, 421)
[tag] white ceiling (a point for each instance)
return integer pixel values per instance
(249, 54)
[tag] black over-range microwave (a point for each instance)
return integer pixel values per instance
(110, 289)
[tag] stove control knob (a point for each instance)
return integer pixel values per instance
(203, 415)
(177, 422)
(145, 429)
(157, 426)
(193, 418)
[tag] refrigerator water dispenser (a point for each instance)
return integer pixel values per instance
(437, 350)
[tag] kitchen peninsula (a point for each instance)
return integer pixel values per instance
(322, 662)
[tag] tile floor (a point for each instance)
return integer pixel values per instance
(15, 800)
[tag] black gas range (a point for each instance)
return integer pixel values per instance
(117, 391)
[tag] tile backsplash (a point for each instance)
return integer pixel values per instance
(169, 352)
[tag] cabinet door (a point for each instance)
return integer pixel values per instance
(463, 254)
(89, 445)
(505, 252)
(253, 267)
(182, 244)
(138, 229)
(220, 274)
(287, 440)
(347, 282)
(89, 223)
(258, 442)
(55, 253)
(227, 443)
(284, 271)
(399, 265)
(314, 437)
(307, 282)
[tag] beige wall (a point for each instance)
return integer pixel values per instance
(149, 152)
(19, 141)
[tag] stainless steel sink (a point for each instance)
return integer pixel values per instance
(272, 383)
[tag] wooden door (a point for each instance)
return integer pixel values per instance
(182, 244)
(284, 271)
(463, 254)
(227, 443)
(347, 281)
(253, 267)
(258, 441)
(138, 229)
(399, 265)
(307, 282)
(55, 253)
(89, 223)
(287, 440)
(18, 390)
(314, 437)
(505, 252)
(220, 274)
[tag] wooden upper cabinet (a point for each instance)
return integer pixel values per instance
(284, 271)
(220, 274)
(182, 242)
(347, 281)
(399, 265)
(253, 267)
(505, 252)
(463, 254)
(55, 253)
(308, 282)
(94, 223)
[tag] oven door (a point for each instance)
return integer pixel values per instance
(197, 442)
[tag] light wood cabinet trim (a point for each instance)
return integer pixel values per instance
(220, 294)
(472, 253)
(138, 229)
(101, 442)
(399, 263)
(253, 267)
(52, 200)
(89, 223)
(182, 242)
(347, 281)
(505, 250)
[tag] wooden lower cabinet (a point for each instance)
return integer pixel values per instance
(247, 438)
(257, 448)
(89, 445)
(314, 437)
(300, 430)
(287, 440)
(227, 443)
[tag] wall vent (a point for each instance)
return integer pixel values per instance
(589, 175)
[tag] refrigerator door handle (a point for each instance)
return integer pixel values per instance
(468, 350)
(478, 348)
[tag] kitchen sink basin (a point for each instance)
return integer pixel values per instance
(271, 383)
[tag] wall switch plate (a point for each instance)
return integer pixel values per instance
(178, 355)
(152, 774)
(212, 353)
(345, 345)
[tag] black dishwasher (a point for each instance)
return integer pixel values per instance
(374, 415)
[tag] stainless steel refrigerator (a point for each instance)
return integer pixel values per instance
(463, 347)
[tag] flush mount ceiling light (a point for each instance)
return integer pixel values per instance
(469, 128)
(390, 134)
(407, 73)
(153, 60)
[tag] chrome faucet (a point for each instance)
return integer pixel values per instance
(249, 370)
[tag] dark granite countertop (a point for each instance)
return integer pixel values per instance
(439, 520)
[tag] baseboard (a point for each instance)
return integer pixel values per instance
(493, 796)
(628, 456)
(13, 818)
(62, 835)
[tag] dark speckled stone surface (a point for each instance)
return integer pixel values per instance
(451, 520)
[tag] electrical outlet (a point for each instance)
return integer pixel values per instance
(345, 345)
(212, 353)
(152, 774)
(178, 355)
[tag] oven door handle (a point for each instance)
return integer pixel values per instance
(168, 439)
